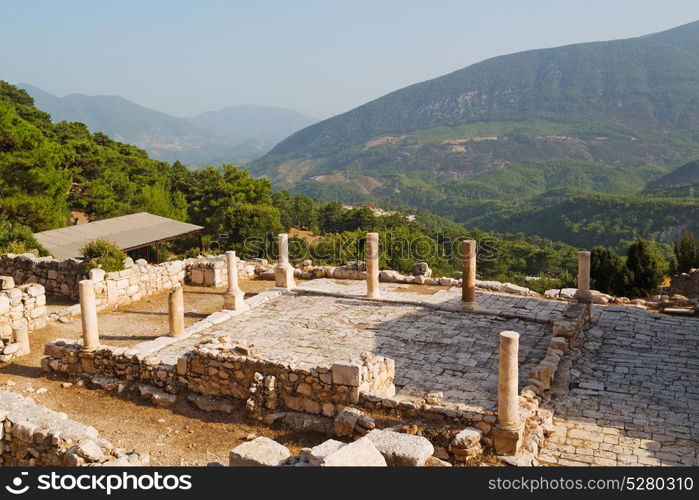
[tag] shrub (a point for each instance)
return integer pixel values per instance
(17, 238)
(104, 254)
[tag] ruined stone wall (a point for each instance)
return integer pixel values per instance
(135, 283)
(221, 368)
(58, 277)
(22, 309)
(138, 280)
(31, 434)
(306, 270)
(61, 277)
(212, 271)
(686, 284)
(119, 363)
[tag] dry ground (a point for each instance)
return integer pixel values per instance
(180, 435)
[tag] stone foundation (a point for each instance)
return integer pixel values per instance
(213, 369)
(221, 368)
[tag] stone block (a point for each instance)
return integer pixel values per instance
(97, 274)
(401, 449)
(260, 451)
(507, 441)
(346, 374)
(4, 304)
(361, 453)
(6, 282)
(467, 438)
(89, 450)
(346, 420)
(317, 454)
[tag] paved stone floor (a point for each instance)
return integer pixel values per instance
(446, 298)
(634, 394)
(434, 350)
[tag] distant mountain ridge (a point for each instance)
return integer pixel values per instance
(686, 174)
(631, 103)
(234, 134)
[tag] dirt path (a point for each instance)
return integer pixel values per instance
(180, 435)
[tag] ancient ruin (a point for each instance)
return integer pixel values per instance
(384, 369)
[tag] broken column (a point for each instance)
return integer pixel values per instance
(234, 298)
(507, 432)
(175, 304)
(21, 337)
(88, 315)
(372, 265)
(284, 273)
(468, 279)
(583, 294)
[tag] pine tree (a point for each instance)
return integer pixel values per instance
(686, 252)
(646, 265)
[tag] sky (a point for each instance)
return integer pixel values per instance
(318, 57)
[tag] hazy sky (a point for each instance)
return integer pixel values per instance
(317, 57)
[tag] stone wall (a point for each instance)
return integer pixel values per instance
(61, 277)
(135, 283)
(212, 271)
(686, 284)
(306, 270)
(31, 434)
(22, 310)
(58, 277)
(138, 280)
(221, 368)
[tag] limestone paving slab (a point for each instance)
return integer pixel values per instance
(634, 394)
(449, 299)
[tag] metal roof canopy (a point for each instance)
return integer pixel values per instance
(129, 232)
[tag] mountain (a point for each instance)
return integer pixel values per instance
(234, 134)
(267, 123)
(681, 182)
(631, 103)
(686, 174)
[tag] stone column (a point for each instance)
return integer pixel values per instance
(234, 298)
(175, 302)
(508, 381)
(372, 266)
(583, 292)
(468, 279)
(284, 273)
(507, 432)
(88, 315)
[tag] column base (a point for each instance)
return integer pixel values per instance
(284, 276)
(235, 301)
(507, 441)
(469, 305)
